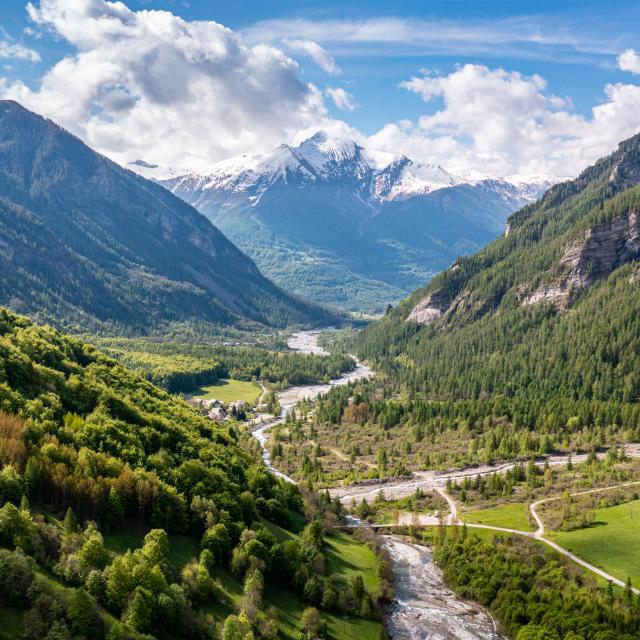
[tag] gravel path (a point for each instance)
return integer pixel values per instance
(407, 518)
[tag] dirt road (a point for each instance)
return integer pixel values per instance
(407, 519)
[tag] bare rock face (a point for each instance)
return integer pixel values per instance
(604, 248)
(429, 308)
(626, 173)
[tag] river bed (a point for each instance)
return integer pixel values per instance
(304, 342)
(424, 607)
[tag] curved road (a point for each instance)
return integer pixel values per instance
(453, 520)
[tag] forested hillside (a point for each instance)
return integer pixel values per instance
(132, 466)
(535, 596)
(85, 244)
(181, 367)
(550, 310)
(529, 346)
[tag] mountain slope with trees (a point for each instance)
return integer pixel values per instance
(93, 456)
(89, 245)
(549, 310)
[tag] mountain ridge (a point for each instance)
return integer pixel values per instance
(323, 221)
(88, 244)
(321, 158)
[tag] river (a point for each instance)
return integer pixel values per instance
(424, 608)
(304, 342)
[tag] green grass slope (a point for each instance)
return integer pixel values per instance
(611, 542)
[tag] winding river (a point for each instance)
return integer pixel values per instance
(304, 342)
(424, 608)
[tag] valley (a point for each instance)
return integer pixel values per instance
(319, 321)
(421, 594)
(324, 221)
(422, 604)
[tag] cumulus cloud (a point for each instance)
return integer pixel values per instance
(342, 99)
(319, 55)
(148, 84)
(17, 51)
(503, 123)
(629, 60)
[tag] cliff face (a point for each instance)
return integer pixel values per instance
(604, 248)
(429, 308)
(578, 233)
(626, 172)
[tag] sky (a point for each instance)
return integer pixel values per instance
(497, 87)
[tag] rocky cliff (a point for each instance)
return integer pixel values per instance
(604, 248)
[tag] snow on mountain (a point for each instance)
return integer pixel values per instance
(333, 157)
(323, 220)
(403, 179)
(322, 158)
(152, 171)
(318, 158)
(530, 187)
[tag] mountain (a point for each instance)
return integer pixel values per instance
(549, 312)
(90, 245)
(323, 221)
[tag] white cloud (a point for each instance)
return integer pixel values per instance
(503, 123)
(319, 55)
(148, 84)
(342, 99)
(17, 51)
(629, 60)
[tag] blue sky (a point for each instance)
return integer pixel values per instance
(364, 62)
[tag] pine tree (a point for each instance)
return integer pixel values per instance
(70, 523)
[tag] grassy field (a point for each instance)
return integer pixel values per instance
(509, 515)
(348, 557)
(611, 543)
(229, 391)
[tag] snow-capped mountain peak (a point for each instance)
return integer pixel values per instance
(318, 158)
(332, 157)
(403, 179)
(329, 159)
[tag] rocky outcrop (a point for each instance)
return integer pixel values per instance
(604, 248)
(626, 172)
(429, 308)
